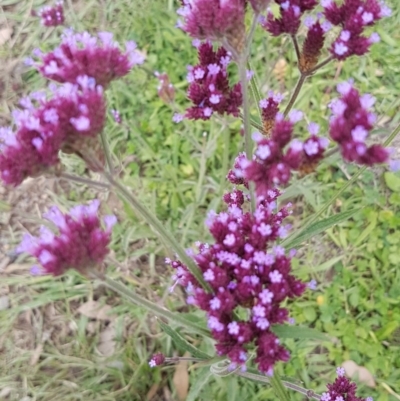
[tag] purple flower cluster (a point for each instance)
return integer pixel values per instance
(244, 276)
(350, 125)
(52, 16)
(82, 54)
(74, 113)
(215, 20)
(289, 19)
(273, 161)
(81, 243)
(342, 389)
(209, 88)
(353, 16)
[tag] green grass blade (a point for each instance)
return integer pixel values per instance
(182, 343)
(280, 391)
(316, 228)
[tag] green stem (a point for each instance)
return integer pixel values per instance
(296, 47)
(248, 144)
(295, 94)
(160, 230)
(83, 180)
(152, 307)
(320, 65)
(107, 151)
(264, 379)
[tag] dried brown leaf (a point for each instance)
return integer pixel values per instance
(360, 372)
(152, 392)
(95, 310)
(107, 341)
(5, 35)
(181, 379)
(280, 70)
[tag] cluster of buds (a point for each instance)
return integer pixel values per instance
(350, 124)
(83, 54)
(273, 160)
(342, 389)
(245, 272)
(52, 16)
(209, 88)
(80, 243)
(353, 16)
(313, 43)
(217, 20)
(73, 115)
(289, 19)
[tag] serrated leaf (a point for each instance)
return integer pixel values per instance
(316, 228)
(298, 332)
(181, 342)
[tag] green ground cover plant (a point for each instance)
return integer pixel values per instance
(72, 338)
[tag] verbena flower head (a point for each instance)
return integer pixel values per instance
(79, 242)
(52, 16)
(74, 115)
(342, 389)
(353, 16)
(350, 124)
(276, 157)
(82, 54)
(246, 271)
(289, 19)
(220, 20)
(209, 88)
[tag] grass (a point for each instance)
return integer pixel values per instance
(52, 351)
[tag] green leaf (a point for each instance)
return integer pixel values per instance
(280, 391)
(316, 228)
(392, 181)
(181, 342)
(323, 266)
(301, 333)
(198, 385)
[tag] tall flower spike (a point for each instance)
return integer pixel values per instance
(69, 121)
(218, 20)
(82, 54)
(350, 125)
(313, 44)
(81, 241)
(247, 273)
(209, 88)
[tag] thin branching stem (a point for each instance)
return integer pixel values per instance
(320, 65)
(288, 385)
(296, 47)
(82, 180)
(295, 94)
(136, 299)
